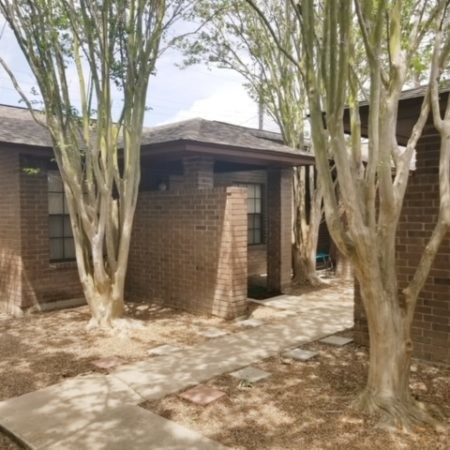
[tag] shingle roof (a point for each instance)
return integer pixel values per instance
(219, 133)
(18, 127)
(418, 92)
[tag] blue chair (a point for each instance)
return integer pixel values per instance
(324, 259)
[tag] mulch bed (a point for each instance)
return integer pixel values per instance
(308, 406)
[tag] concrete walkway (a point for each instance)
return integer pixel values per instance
(100, 411)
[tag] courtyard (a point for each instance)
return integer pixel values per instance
(78, 379)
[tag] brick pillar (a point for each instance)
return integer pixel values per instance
(198, 172)
(279, 211)
(230, 297)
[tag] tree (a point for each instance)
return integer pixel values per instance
(109, 48)
(372, 192)
(234, 38)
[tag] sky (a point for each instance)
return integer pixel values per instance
(174, 94)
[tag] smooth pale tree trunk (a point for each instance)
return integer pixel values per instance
(304, 266)
(343, 270)
(387, 389)
(106, 304)
(307, 217)
(102, 277)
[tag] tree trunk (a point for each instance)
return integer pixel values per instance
(106, 303)
(304, 267)
(307, 217)
(387, 393)
(344, 270)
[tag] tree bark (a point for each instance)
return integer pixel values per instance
(344, 269)
(307, 217)
(106, 304)
(304, 267)
(387, 393)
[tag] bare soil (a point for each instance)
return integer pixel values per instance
(308, 406)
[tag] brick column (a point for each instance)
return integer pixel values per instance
(279, 211)
(230, 297)
(198, 173)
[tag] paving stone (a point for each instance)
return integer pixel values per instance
(213, 333)
(251, 323)
(132, 427)
(108, 363)
(251, 374)
(165, 349)
(338, 341)
(202, 395)
(300, 354)
(42, 418)
(142, 308)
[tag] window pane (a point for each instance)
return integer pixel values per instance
(258, 205)
(55, 225)
(67, 227)
(69, 249)
(55, 203)
(258, 221)
(254, 212)
(254, 221)
(54, 181)
(66, 208)
(56, 249)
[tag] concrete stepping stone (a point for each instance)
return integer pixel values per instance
(300, 354)
(165, 349)
(42, 418)
(202, 395)
(212, 333)
(132, 427)
(337, 341)
(251, 374)
(251, 323)
(108, 363)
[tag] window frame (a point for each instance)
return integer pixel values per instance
(64, 219)
(251, 229)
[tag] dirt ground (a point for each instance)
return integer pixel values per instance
(307, 406)
(40, 350)
(43, 349)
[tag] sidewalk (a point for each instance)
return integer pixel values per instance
(101, 412)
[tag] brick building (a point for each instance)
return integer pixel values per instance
(214, 207)
(431, 327)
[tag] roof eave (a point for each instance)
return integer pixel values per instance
(227, 152)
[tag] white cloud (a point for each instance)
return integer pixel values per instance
(228, 103)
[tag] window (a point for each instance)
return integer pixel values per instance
(254, 212)
(60, 230)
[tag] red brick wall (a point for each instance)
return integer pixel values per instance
(257, 254)
(26, 275)
(10, 245)
(431, 327)
(46, 281)
(189, 250)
